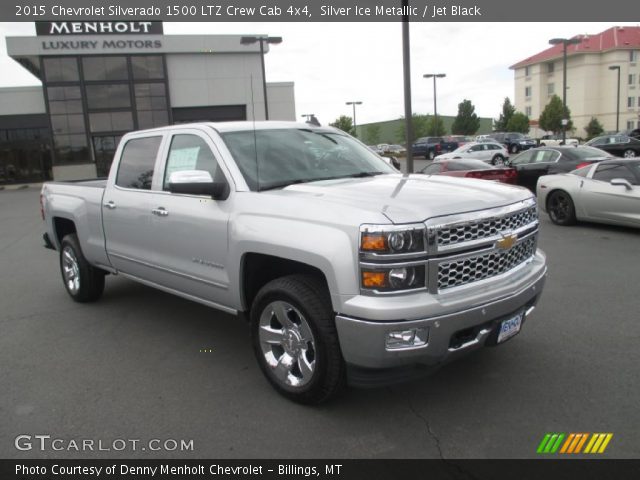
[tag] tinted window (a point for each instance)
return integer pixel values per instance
(108, 96)
(190, 152)
(61, 69)
(105, 68)
(147, 67)
(545, 156)
(582, 172)
(137, 163)
(523, 158)
(606, 173)
(111, 121)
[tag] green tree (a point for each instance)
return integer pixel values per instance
(373, 134)
(419, 124)
(466, 122)
(518, 122)
(435, 126)
(593, 128)
(552, 115)
(500, 125)
(344, 123)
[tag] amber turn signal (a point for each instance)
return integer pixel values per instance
(374, 279)
(373, 241)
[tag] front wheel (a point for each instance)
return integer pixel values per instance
(497, 160)
(295, 339)
(83, 282)
(629, 153)
(561, 209)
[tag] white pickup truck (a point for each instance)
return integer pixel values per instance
(347, 270)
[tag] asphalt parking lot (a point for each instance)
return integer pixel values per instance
(134, 366)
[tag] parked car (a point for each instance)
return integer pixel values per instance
(396, 150)
(347, 271)
(431, 147)
(556, 141)
(631, 133)
(537, 162)
(514, 141)
(390, 159)
(618, 145)
(471, 168)
(458, 140)
(490, 152)
(607, 192)
(376, 149)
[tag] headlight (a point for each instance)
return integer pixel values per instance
(374, 239)
(393, 279)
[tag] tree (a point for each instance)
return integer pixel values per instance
(466, 122)
(435, 126)
(518, 122)
(593, 128)
(344, 123)
(552, 115)
(500, 125)
(419, 124)
(373, 134)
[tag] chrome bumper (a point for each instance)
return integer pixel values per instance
(363, 342)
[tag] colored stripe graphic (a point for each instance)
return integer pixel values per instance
(573, 443)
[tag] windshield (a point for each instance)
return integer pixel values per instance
(276, 158)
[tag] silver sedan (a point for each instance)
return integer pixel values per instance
(605, 192)
(489, 152)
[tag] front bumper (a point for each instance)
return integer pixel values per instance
(450, 334)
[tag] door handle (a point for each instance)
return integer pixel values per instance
(110, 205)
(160, 211)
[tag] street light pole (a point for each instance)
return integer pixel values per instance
(435, 101)
(262, 40)
(564, 42)
(617, 67)
(354, 103)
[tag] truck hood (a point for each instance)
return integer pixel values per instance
(413, 198)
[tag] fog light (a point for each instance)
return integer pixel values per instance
(414, 337)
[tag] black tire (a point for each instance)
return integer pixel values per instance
(310, 302)
(497, 160)
(561, 208)
(83, 282)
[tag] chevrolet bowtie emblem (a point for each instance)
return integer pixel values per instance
(507, 241)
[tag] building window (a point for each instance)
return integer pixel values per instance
(551, 67)
(527, 111)
(151, 102)
(632, 78)
(64, 100)
(551, 88)
(61, 69)
(105, 68)
(630, 125)
(148, 67)
(110, 121)
(631, 102)
(527, 92)
(633, 55)
(527, 71)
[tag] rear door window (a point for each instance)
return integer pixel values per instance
(138, 162)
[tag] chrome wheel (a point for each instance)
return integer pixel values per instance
(70, 270)
(629, 154)
(287, 344)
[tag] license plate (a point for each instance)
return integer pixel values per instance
(510, 327)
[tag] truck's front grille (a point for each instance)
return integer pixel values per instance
(484, 228)
(470, 269)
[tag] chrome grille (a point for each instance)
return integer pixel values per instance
(466, 270)
(469, 231)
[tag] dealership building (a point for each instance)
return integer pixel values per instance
(101, 80)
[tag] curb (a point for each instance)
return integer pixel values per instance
(20, 186)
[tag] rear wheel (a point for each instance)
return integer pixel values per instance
(514, 149)
(497, 160)
(295, 339)
(629, 153)
(561, 209)
(83, 282)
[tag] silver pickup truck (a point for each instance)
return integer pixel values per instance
(348, 271)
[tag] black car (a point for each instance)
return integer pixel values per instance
(618, 145)
(514, 141)
(536, 162)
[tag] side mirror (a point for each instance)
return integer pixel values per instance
(197, 182)
(621, 182)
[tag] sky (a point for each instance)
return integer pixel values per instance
(333, 63)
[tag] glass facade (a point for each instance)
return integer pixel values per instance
(25, 155)
(93, 100)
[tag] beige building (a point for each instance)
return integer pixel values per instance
(591, 85)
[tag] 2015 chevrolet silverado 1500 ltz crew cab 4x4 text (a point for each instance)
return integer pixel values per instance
(348, 270)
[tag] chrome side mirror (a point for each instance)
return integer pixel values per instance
(621, 182)
(197, 182)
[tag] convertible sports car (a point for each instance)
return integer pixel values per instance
(604, 192)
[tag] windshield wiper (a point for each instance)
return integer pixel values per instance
(352, 175)
(274, 186)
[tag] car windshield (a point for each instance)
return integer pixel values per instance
(584, 153)
(277, 158)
